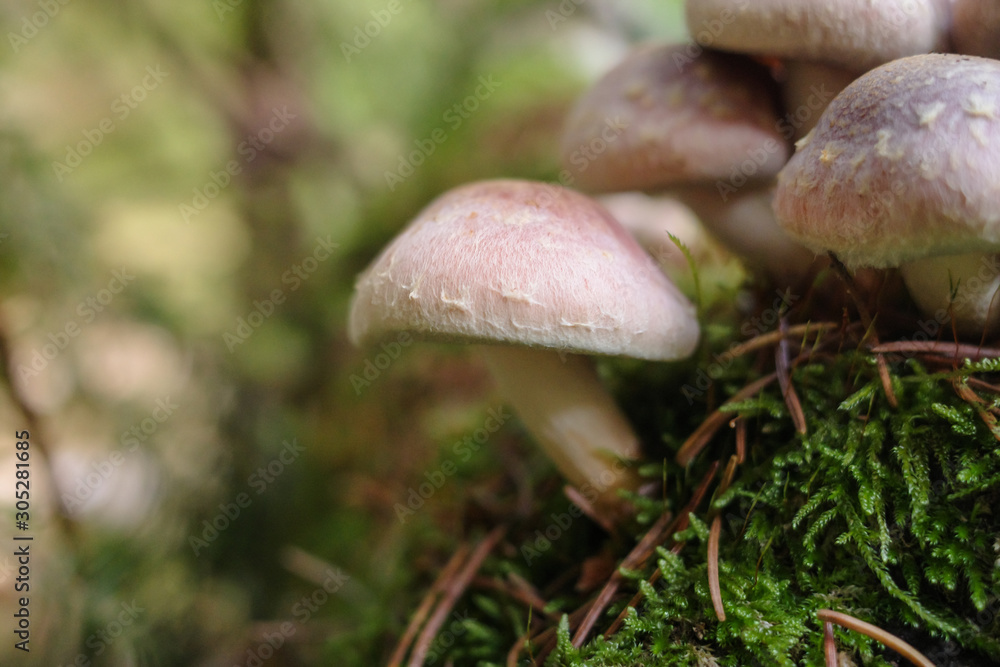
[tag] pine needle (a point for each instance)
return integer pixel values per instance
(447, 573)
(829, 645)
(713, 568)
(876, 633)
(453, 590)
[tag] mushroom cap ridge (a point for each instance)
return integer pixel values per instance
(904, 163)
(523, 263)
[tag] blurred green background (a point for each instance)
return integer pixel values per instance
(189, 189)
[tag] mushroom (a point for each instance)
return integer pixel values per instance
(700, 123)
(531, 272)
(680, 115)
(806, 90)
(655, 222)
(856, 34)
(903, 170)
(746, 221)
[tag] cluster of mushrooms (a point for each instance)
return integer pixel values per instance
(896, 164)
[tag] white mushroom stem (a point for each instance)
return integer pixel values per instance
(561, 401)
(975, 279)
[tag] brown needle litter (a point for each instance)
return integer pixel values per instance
(986, 414)
(956, 351)
(449, 570)
(876, 633)
(740, 424)
(713, 568)
(633, 560)
(708, 428)
(679, 523)
(869, 324)
(829, 645)
(452, 586)
(782, 367)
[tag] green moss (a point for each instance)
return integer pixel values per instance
(885, 513)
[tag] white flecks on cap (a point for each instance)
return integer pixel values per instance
(523, 263)
(918, 168)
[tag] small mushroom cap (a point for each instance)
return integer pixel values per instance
(651, 220)
(904, 163)
(975, 28)
(857, 34)
(672, 114)
(523, 263)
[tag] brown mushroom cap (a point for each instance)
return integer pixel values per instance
(903, 164)
(857, 34)
(523, 263)
(674, 114)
